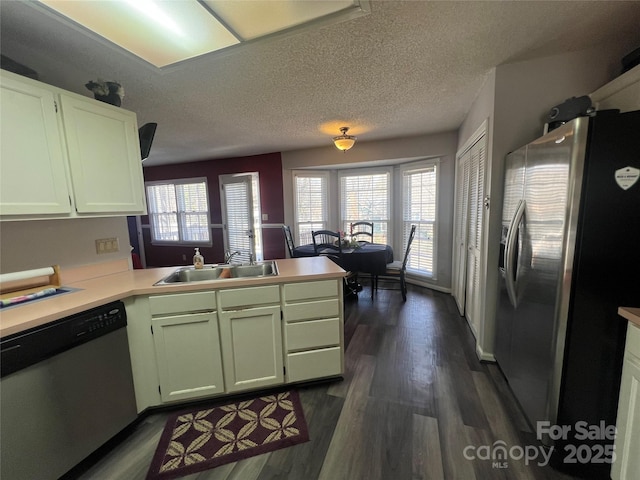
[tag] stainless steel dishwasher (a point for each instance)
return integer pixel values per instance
(66, 389)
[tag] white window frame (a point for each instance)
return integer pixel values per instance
(422, 225)
(300, 238)
(181, 236)
(380, 225)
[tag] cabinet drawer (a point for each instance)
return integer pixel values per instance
(182, 302)
(312, 334)
(309, 290)
(313, 364)
(244, 297)
(308, 310)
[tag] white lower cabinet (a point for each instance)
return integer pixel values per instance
(193, 345)
(188, 356)
(251, 348)
(187, 345)
(627, 443)
(251, 337)
(313, 330)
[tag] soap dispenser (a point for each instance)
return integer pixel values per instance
(198, 259)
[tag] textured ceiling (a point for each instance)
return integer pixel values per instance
(406, 68)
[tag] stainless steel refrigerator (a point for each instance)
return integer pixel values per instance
(570, 256)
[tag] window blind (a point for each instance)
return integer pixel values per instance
(366, 197)
(419, 208)
(179, 211)
(311, 200)
(237, 197)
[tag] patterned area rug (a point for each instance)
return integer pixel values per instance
(204, 438)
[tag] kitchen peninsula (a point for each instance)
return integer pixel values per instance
(261, 331)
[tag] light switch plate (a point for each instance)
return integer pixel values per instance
(107, 245)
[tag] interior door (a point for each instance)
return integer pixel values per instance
(460, 239)
(467, 289)
(239, 199)
(474, 292)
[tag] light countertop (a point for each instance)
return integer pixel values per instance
(630, 313)
(100, 290)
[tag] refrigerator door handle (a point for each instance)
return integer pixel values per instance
(509, 254)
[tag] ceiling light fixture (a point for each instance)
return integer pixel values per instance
(344, 142)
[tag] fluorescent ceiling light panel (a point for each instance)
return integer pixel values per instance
(254, 18)
(161, 32)
(164, 32)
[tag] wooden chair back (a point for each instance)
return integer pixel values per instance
(288, 239)
(362, 231)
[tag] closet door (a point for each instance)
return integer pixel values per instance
(474, 290)
(460, 234)
(469, 215)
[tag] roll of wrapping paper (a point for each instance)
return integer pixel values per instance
(7, 302)
(26, 275)
(28, 282)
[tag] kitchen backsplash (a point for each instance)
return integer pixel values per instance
(25, 245)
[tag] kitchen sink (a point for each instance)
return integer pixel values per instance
(220, 272)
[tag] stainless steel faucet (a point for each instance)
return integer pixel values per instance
(228, 255)
(251, 262)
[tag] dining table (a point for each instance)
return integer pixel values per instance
(365, 257)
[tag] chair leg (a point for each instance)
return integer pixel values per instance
(403, 286)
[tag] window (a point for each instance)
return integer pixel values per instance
(366, 195)
(179, 211)
(419, 207)
(311, 199)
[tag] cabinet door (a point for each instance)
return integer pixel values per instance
(252, 348)
(188, 356)
(104, 157)
(32, 171)
(627, 443)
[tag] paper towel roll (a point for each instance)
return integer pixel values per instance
(26, 274)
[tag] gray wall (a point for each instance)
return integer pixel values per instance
(26, 245)
(389, 152)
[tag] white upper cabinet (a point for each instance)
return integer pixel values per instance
(66, 155)
(32, 157)
(104, 156)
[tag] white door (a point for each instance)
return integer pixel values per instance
(467, 288)
(460, 234)
(240, 201)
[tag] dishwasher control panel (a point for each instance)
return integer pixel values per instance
(37, 344)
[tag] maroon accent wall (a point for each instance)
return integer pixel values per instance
(269, 168)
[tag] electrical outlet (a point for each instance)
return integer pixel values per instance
(107, 245)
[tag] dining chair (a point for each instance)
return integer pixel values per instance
(364, 229)
(326, 242)
(288, 239)
(329, 244)
(396, 270)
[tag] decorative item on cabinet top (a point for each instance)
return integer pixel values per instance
(106, 91)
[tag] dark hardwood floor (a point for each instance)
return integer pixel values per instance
(413, 400)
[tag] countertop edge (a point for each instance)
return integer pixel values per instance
(101, 290)
(630, 313)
